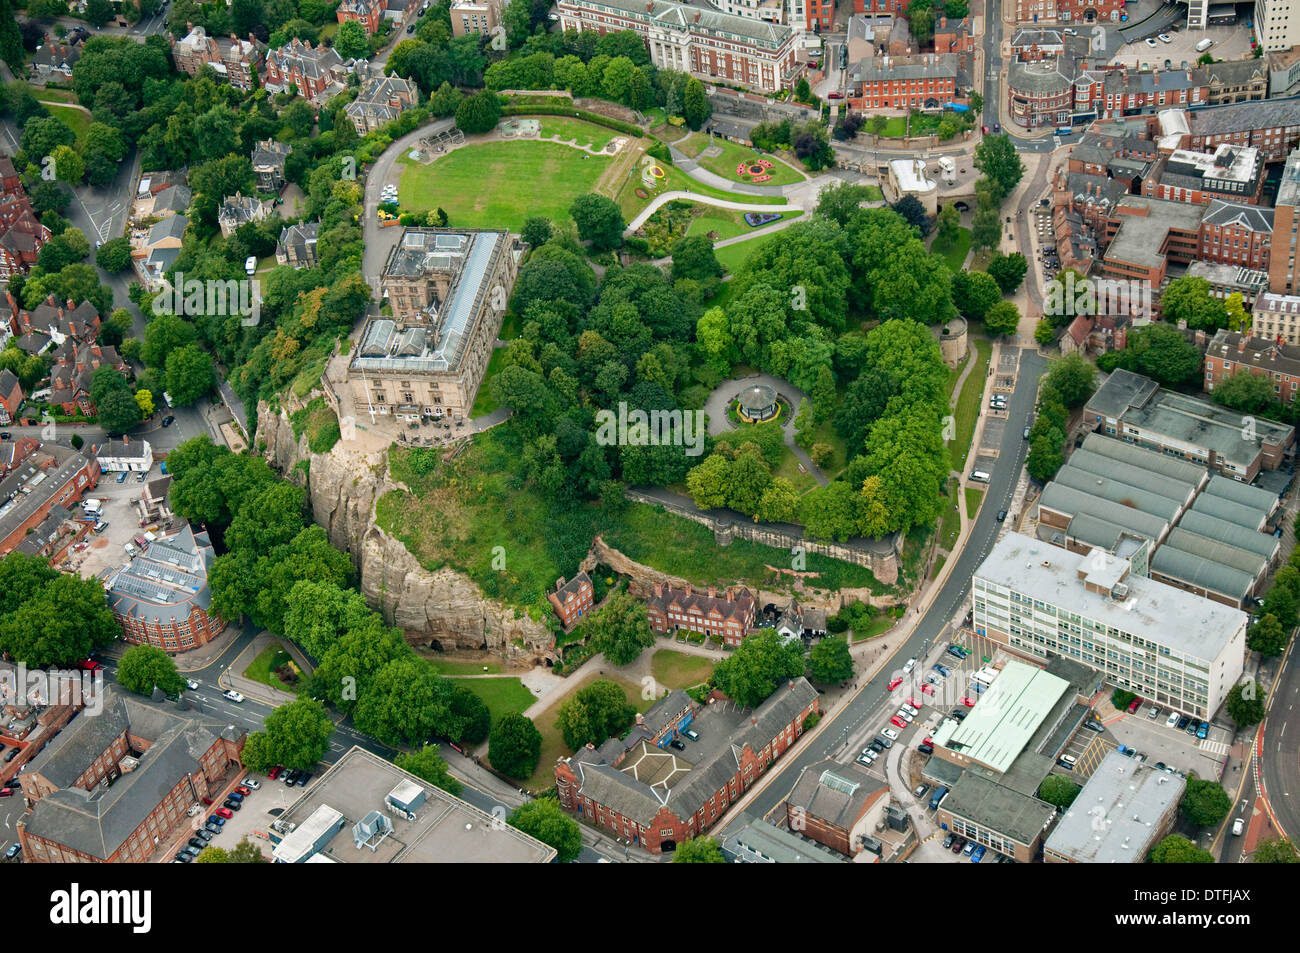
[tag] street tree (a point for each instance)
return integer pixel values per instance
(546, 821)
(428, 765)
(1246, 704)
(830, 661)
(1176, 849)
(143, 668)
(514, 746)
(699, 850)
(1205, 803)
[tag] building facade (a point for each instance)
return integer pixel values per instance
(1231, 352)
(729, 617)
(162, 597)
(234, 60)
(469, 17)
(572, 598)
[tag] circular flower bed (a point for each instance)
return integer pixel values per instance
(658, 172)
(642, 193)
(756, 170)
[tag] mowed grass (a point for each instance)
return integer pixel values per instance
(506, 695)
(733, 256)
(458, 667)
(732, 156)
(484, 402)
(583, 133)
(501, 184)
(974, 497)
(967, 408)
(679, 670)
(880, 623)
(262, 669)
(675, 180)
(553, 746)
(727, 223)
(73, 117)
(955, 257)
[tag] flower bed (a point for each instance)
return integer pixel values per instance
(757, 170)
(756, 219)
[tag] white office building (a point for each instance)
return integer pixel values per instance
(1166, 645)
(1277, 24)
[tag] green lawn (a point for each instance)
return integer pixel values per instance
(503, 696)
(895, 127)
(732, 156)
(956, 256)
(880, 623)
(728, 223)
(500, 184)
(733, 256)
(583, 133)
(457, 667)
(676, 180)
(789, 468)
(262, 669)
(484, 402)
(679, 670)
(874, 194)
(974, 496)
(553, 746)
(950, 520)
(72, 117)
(968, 404)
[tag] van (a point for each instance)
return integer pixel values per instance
(937, 797)
(130, 550)
(1204, 45)
(979, 476)
(250, 265)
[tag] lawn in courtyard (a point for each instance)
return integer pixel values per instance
(734, 157)
(679, 670)
(955, 257)
(500, 184)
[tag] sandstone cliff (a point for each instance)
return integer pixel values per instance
(443, 609)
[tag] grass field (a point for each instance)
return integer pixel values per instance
(728, 223)
(262, 669)
(733, 256)
(967, 409)
(71, 116)
(484, 402)
(950, 520)
(527, 177)
(895, 127)
(457, 667)
(789, 468)
(679, 670)
(956, 256)
(677, 180)
(880, 623)
(974, 497)
(503, 696)
(553, 745)
(583, 133)
(732, 156)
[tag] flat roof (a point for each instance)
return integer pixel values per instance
(1118, 814)
(998, 808)
(1006, 715)
(1183, 622)
(911, 176)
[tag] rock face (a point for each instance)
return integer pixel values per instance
(443, 610)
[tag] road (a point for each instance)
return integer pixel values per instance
(871, 701)
(1279, 756)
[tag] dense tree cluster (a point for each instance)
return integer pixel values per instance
(49, 618)
(1068, 384)
(757, 667)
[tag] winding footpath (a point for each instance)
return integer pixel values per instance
(661, 200)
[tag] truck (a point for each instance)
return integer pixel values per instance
(937, 797)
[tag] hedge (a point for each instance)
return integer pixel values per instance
(661, 152)
(557, 110)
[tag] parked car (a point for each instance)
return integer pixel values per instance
(225, 812)
(6, 792)
(958, 843)
(1204, 730)
(897, 722)
(968, 701)
(230, 804)
(927, 689)
(13, 753)
(218, 818)
(969, 848)
(1154, 712)
(863, 760)
(680, 746)
(895, 682)
(947, 841)
(912, 710)
(913, 703)
(211, 828)
(890, 733)
(920, 791)
(1165, 38)
(275, 772)
(1172, 721)
(182, 859)
(196, 842)
(1134, 705)
(691, 733)
(243, 791)
(909, 665)
(835, 95)
(168, 420)
(1192, 726)
(943, 670)
(1094, 725)
(957, 651)
(121, 477)
(925, 749)
(1150, 42)
(978, 854)
(870, 755)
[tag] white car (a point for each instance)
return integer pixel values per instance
(1150, 42)
(911, 664)
(234, 696)
(905, 715)
(251, 783)
(1166, 38)
(870, 755)
(911, 711)
(191, 684)
(1172, 721)
(891, 734)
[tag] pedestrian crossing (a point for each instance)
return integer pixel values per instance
(1214, 747)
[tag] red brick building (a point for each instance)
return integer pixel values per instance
(317, 72)
(11, 396)
(836, 805)
(640, 789)
(158, 764)
(1231, 352)
(162, 598)
(369, 13)
(572, 599)
(234, 60)
(729, 617)
(51, 476)
(22, 236)
(926, 81)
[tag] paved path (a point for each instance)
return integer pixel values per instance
(661, 200)
(701, 174)
(720, 399)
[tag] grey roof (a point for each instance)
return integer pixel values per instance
(71, 751)
(1066, 499)
(1095, 531)
(1184, 622)
(1183, 471)
(167, 581)
(1121, 492)
(1242, 493)
(173, 226)
(1142, 236)
(1231, 533)
(920, 66)
(1216, 550)
(41, 475)
(174, 198)
(1119, 813)
(1288, 192)
(666, 711)
(1245, 117)
(46, 532)
(679, 16)
(7, 382)
(774, 845)
(1041, 38)
(1251, 217)
(1133, 473)
(1089, 189)
(996, 807)
(1235, 72)
(836, 793)
(1120, 391)
(270, 154)
(1040, 76)
(1225, 509)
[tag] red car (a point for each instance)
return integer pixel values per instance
(914, 703)
(89, 665)
(275, 772)
(6, 792)
(895, 682)
(968, 701)
(1134, 705)
(986, 130)
(897, 722)
(928, 741)
(834, 95)
(207, 801)
(225, 812)
(244, 791)
(927, 689)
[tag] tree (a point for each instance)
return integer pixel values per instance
(986, 227)
(144, 668)
(144, 399)
(1275, 850)
(404, 704)
(839, 202)
(350, 41)
(974, 293)
(1176, 849)
(164, 333)
(1267, 637)
(537, 231)
(996, 157)
(760, 663)
(1045, 457)
(117, 412)
(514, 746)
(1059, 790)
(914, 213)
(595, 713)
(920, 18)
(1246, 704)
(1246, 392)
(114, 255)
(68, 164)
(479, 113)
(98, 12)
(1205, 803)
(1073, 378)
(190, 375)
(1044, 333)
(619, 630)
(1008, 271)
(1159, 351)
(444, 100)
(830, 661)
(696, 107)
(544, 820)
(693, 257)
(1189, 299)
(947, 227)
(599, 221)
(1002, 319)
(52, 621)
(295, 735)
(427, 765)
(699, 850)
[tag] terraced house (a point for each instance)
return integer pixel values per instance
(728, 617)
(706, 43)
(641, 789)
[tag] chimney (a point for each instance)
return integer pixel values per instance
(792, 686)
(713, 592)
(659, 590)
(649, 6)
(731, 593)
(688, 588)
(1241, 345)
(559, 584)
(1155, 77)
(943, 22)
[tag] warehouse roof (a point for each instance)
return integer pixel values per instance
(1202, 572)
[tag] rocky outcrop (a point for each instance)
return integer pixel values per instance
(445, 609)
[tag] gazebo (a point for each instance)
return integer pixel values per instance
(756, 404)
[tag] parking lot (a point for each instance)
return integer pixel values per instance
(253, 819)
(1230, 43)
(105, 550)
(1151, 738)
